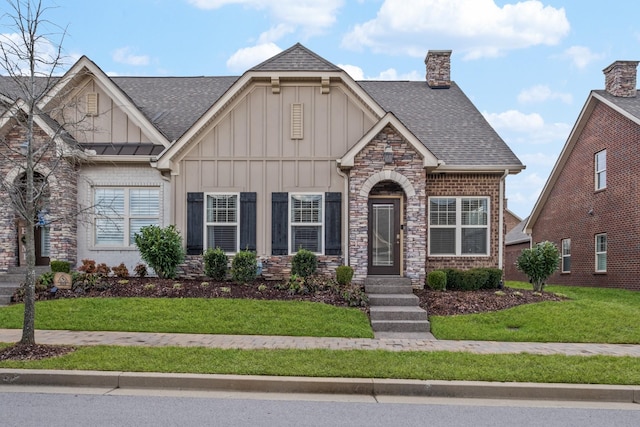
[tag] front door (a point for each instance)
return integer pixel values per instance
(384, 236)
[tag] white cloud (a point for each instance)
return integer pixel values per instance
(390, 74)
(124, 55)
(520, 129)
(312, 15)
(248, 57)
(581, 56)
(541, 93)
(275, 33)
(45, 51)
(479, 28)
(515, 121)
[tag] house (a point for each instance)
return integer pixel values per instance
(390, 177)
(589, 205)
(516, 240)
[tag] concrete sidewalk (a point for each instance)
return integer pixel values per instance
(283, 342)
(362, 386)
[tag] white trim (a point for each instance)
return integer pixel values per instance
(321, 224)
(599, 172)
(596, 252)
(459, 226)
(237, 223)
(563, 255)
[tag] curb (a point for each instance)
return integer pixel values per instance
(311, 385)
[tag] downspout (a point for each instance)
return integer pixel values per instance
(501, 222)
(345, 213)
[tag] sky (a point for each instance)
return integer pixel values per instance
(527, 65)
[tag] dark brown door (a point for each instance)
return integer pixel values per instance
(384, 236)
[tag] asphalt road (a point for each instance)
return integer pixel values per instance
(40, 406)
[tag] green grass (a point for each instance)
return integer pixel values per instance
(350, 364)
(194, 315)
(590, 315)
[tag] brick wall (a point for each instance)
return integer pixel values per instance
(614, 209)
(511, 254)
(457, 185)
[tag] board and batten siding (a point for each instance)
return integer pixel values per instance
(249, 149)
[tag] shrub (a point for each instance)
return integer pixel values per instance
(140, 270)
(102, 270)
(58, 266)
(120, 270)
(538, 263)
(161, 248)
(304, 263)
(44, 281)
(344, 274)
(494, 281)
(88, 266)
(437, 280)
(244, 267)
(355, 296)
(297, 285)
(215, 264)
(454, 278)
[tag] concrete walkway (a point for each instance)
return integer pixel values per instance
(282, 342)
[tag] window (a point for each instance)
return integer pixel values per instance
(306, 221)
(458, 226)
(122, 212)
(601, 169)
(45, 242)
(222, 222)
(566, 255)
(601, 252)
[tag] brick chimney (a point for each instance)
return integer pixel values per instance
(620, 78)
(438, 69)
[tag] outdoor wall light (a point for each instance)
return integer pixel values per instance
(388, 155)
(24, 148)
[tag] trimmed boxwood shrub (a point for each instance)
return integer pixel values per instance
(215, 264)
(58, 266)
(473, 279)
(244, 267)
(304, 263)
(437, 280)
(344, 274)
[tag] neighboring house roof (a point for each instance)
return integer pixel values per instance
(627, 106)
(517, 234)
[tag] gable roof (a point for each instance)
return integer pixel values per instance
(296, 58)
(628, 107)
(517, 234)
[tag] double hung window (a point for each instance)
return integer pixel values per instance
(566, 255)
(601, 253)
(458, 226)
(601, 169)
(222, 219)
(121, 212)
(306, 222)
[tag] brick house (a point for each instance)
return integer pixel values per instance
(391, 177)
(588, 206)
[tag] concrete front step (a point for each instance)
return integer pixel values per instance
(393, 299)
(397, 313)
(400, 325)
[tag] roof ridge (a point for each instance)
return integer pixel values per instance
(298, 58)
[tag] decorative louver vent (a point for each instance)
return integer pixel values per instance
(92, 104)
(297, 129)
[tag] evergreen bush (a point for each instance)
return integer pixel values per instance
(244, 267)
(344, 274)
(437, 280)
(161, 248)
(215, 264)
(304, 263)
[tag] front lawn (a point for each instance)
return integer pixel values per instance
(194, 315)
(593, 315)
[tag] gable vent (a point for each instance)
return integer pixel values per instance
(92, 104)
(297, 130)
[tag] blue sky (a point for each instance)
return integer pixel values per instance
(528, 66)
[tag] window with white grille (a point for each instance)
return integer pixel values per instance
(222, 221)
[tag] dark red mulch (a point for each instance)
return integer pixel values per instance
(33, 351)
(450, 303)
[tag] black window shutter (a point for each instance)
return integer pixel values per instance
(195, 223)
(333, 223)
(248, 221)
(279, 224)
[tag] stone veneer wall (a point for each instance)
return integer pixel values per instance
(273, 267)
(62, 206)
(407, 170)
(461, 185)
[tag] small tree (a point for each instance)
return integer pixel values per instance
(538, 263)
(161, 248)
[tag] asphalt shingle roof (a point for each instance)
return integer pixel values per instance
(296, 58)
(629, 104)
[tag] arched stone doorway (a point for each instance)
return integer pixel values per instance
(385, 213)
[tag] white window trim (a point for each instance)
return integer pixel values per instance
(126, 217)
(291, 224)
(563, 255)
(600, 252)
(598, 172)
(237, 223)
(459, 226)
